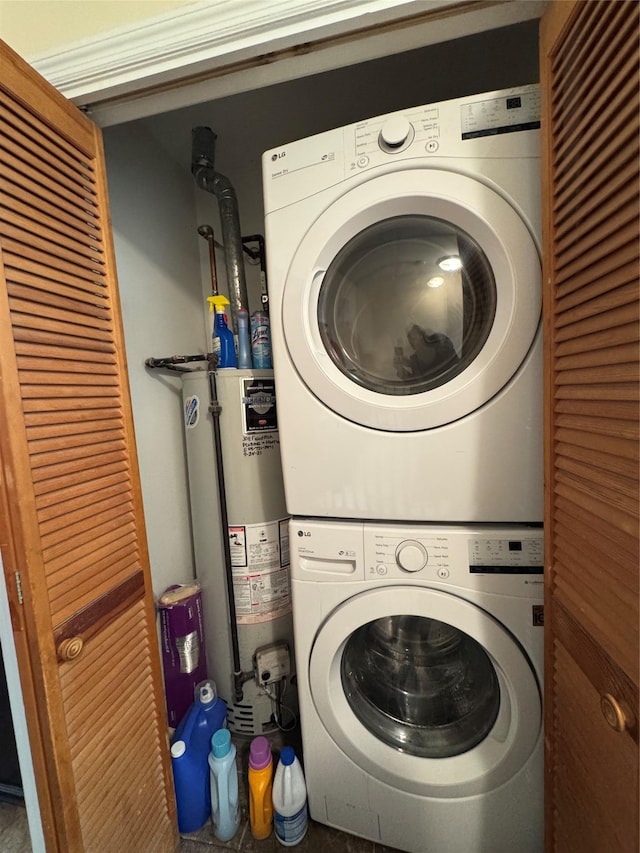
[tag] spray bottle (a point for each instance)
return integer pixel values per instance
(223, 344)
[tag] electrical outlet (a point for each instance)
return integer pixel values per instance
(272, 663)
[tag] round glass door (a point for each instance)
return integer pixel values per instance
(406, 305)
(412, 300)
(420, 685)
(425, 691)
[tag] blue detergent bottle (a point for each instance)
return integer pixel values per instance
(222, 341)
(189, 755)
(225, 804)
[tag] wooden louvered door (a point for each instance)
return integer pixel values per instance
(71, 523)
(589, 67)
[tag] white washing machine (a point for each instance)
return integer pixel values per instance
(420, 653)
(404, 280)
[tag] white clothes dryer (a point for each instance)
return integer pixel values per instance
(420, 655)
(404, 281)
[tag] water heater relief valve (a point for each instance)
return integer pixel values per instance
(272, 663)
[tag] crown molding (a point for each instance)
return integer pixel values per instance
(209, 34)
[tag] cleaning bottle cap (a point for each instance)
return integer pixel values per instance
(221, 743)
(178, 748)
(287, 755)
(259, 753)
(217, 302)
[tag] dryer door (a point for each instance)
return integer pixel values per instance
(412, 300)
(425, 691)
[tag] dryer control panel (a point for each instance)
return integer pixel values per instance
(476, 126)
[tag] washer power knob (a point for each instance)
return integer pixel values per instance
(411, 556)
(395, 131)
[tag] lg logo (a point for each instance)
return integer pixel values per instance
(278, 156)
(304, 533)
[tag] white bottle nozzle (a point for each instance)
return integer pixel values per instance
(206, 692)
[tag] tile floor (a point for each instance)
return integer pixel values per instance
(14, 829)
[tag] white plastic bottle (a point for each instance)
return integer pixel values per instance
(290, 817)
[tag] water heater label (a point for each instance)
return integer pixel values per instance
(259, 406)
(191, 412)
(260, 568)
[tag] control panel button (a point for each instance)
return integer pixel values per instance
(443, 573)
(432, 146)
(411, 556)
(395, 131)
(362, 161)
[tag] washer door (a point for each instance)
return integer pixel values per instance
(425, 691)
(412, 300)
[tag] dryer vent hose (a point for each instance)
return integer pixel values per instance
(203, 155)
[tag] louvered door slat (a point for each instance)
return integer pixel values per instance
(70, 474)
(576, 338)
(45, 218)
(612, 250)
(75, 522)
(28, 241)
(49, 425)
(73, 458)
(46, 478)
(614, 549)
(90, 582)
(568, 64)
(38, 231)
(63, 475)
(611, 481)
(111, 520)
(28, 126)
(621, 354)
(102, 788)
(22, 294)
(619, 267)
(23, 156)
(47, 212)
(20, 169)
(595, 458)
(110, 525)
(597, 206)
(596, 300)
(607, 126)
(67, 285)
(619, 213)
(18, 245)
(29, 185)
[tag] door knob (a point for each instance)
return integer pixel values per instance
(70, 648)
(615, 713)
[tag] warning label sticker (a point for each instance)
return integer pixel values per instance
(260, 568)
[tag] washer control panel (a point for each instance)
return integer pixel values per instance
(505, 559)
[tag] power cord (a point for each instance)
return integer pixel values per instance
(276, 696)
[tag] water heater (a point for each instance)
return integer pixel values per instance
(257, 530)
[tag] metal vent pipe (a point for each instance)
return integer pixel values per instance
(203, 151)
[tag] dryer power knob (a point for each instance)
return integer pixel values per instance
(411, 556)
(395, 132)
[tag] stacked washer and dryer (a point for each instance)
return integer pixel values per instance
(404, 270)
